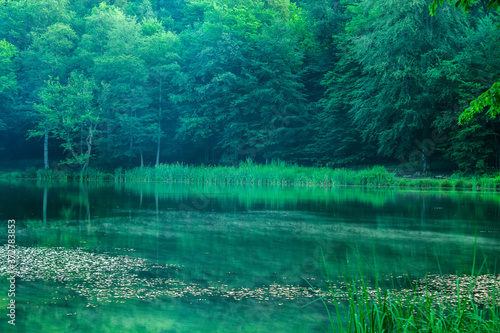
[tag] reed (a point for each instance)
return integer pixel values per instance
(436, 303)
(247, 172)
(275, 173)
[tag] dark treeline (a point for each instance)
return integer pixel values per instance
(313, 82)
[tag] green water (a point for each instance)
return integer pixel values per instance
(162, 257)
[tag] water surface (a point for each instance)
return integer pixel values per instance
(139, 257)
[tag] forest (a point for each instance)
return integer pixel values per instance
(338, 83)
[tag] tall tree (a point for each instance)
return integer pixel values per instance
(20, 18)
(474, 146)
(396, 45)
(8, 83)
(48, 56)
(73, 112)
(111, 52)
(241, 78)
(489, 99)
(161, 60)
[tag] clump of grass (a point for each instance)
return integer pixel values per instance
(445, 184)
(49, 174)
(461, 184)
(12, 175)
(30, 172)
(437, 303)
(425, 183)
(93, 175)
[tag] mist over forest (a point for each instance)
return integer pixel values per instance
(339, 83)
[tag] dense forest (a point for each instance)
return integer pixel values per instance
(341, 83)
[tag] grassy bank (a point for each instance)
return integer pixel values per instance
(280, 173)
(58, 175)
(274, 173)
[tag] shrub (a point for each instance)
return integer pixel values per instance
(460, 184)
(445, 184)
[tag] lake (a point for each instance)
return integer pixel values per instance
(162, 257)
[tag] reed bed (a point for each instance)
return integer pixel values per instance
(276, 173)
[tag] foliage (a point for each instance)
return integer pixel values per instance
(72, 113)
(463, 4)
(335, 83)
(490, 99)
(8, 80)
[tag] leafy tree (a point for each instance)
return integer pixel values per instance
(111, 48)
(73, 113)
(473, 69)
(49, 55)
(8, 82)
(490, 99)
(164, 76)
(336, 141)
(397, 45)
(242, 66)
(463, 4)
(20, 18)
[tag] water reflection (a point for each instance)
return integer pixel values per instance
(209, 245)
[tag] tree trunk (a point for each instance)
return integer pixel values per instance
(46, 150)
(428, 147)
(89, 148)
(158, 152)
(159, 131)
(131, 145)
(142, 158)
(427, 162)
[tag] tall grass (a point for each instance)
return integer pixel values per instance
(437, 303)
(273, 173)
(57, 175)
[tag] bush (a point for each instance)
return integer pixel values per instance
(445, 184)
(30, 172)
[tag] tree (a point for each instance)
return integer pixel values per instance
(8, 82)
(335, 140)
(160, 56)
(20, 18)
(473, 69)
(242, 65)
(397, 45)
(49, 55)
(465, 5)
(73, 113)
(111, 53)
(490, 99)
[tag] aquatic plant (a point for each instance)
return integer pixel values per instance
(435, 303)
(273, 173)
